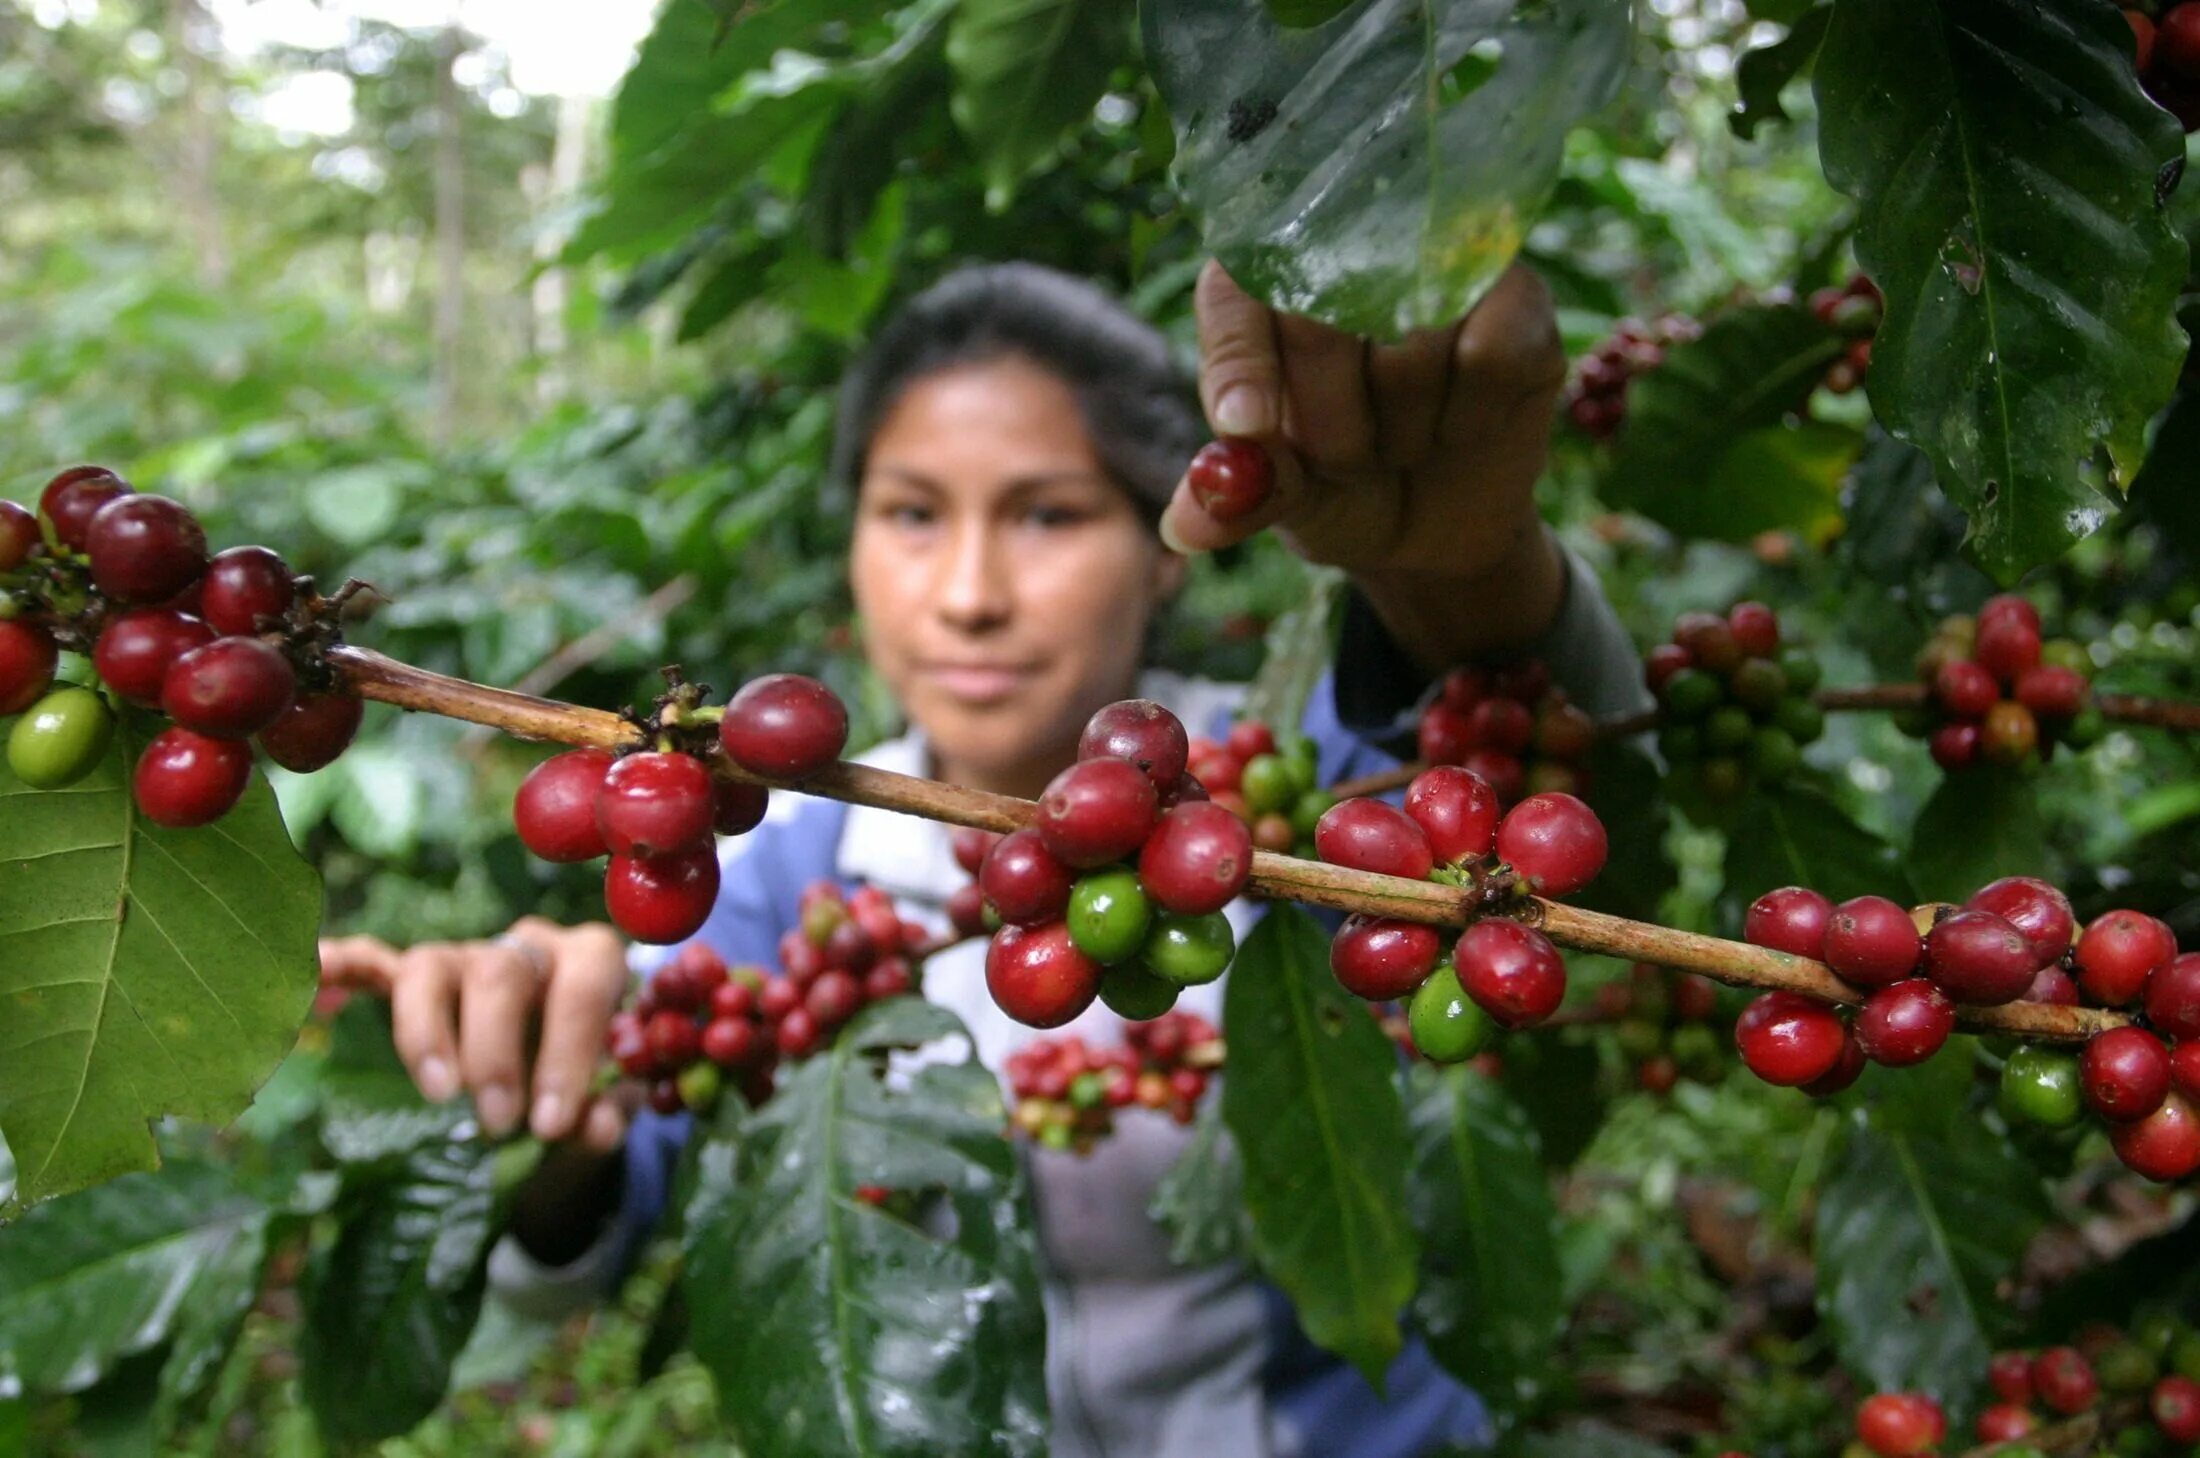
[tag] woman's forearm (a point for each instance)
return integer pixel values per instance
(1489, 607)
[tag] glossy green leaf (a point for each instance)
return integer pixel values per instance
(1923, 1212)
(1201, 1200)
(1795, 834)
(1980, 824)
(1379, 170)
(1709, 448)
(209, 1324)
(1026, 71)
(2168, 490)
(146, 972)
(1762, 74)
(833, 1326)
(107, 1273)
(1491, 1297)
(2006, 166)
(1625, 785)
(1312, 1105)
(371, 1111)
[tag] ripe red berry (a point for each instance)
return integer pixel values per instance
(1231, 478)
(74, 497)
(1789, 1039)
(1663, 662)
(1563, 732)
(2009, 605)
(2064, 1380)
(662, 899)
(2007, 646)
(798, 1034)
(737, 807)
(230, 689)
(1791, 919)
(1555, 842)
(1197, 859)
(674, 1040)
(2010, 1373)
(28, 657)
(1037, 975)
(1755, 627)
(555, 810)
(1905, 1023)
(1143, 732)
(778, 997)
(626, 1038)
(2164, 1145)
(849, 948)
(1457, 811)
(2177, 44)
(136, 649)
(2184, 1070)
(185, 779)
(1024, 880)
(2034, 908)
(2125, 1073)
(966, 910)
(1442, 734)
(2173, 997)
(1709, 640)
(1954, 745)
(2118, 951)
(2051, 690)
(314, 731)
(18, 535)
(2175, 1404)
(784, 726)
(970, 847)
(1248, 739)
(1848, 1066)
(243, 585)
(664, 1097)
(1505, 772)
(145, 548)
(834, 997)
(1503, 726)
(2142, 41)
(1898, 1424)
(1871, 942)
(2005, 1422)
(1979, 959)
(1373, 835)
(1097, 811)
(888, 977)
(1965, 689)
(655, 804)
(730, 1042)
(1512, 971)
(2052, 985)
(1381, 958)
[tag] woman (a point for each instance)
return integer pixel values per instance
(1014, 440)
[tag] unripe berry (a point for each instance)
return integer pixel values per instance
(555, 810)
(61, 738)
(1457, 811)
(1871, 942)
(1230, 478)
(2164, 1145)
(1197, 858)
(1372, 835)
(1024, 880)
(1096, 811)
(1789, 1039)
(1511, 970)
(242, 586)
(662, 899)
(1037, 975)
(1905, 1023)
(1663, 662)
(2126, 1073)
(2117, 952)
(28, 657)
(1447, 1025)
(1979, 959)
(2173, 997)
(2064, 1380)
(1554, 842)
(2034, 908)
(784, 727)
(1791, 919)
(2009, 734)
(655, 804)
(74, 497)
(230, 689)
(185, 779)
(1381, 958)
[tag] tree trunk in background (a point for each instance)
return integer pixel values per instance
(195, 41)
(450, 234)
(568, 166)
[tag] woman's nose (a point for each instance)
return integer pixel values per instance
(975, 592)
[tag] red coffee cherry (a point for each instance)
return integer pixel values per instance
(1663, 661)
(28, 657)
(1381, 958)
(2173, 997)
(1555, 842)
(1371, 835)
(555, 810)
(2052, 986)
(1872, 942)
(2165, 1145)
(966, 910)
(18, 535)
(1097, 811)
(2125, 1074)
(137, 648)
(731, 1042)
(1037, 975)
(1143, 732)
(185, 779)
(1791, 919)
(1231, 478)
(1847, 1068)
(2005, 1422)
(2009, 605)
(674, 1040)
(1979, 959)
(2010, 1373)
(314, 732)
(737, 807)
(1755, 627)
(2051, 690)
(1709, 640)
(888, 977)
(243, 585)
(2184, 1070)
(1442, 734)
(850, 948)
(1197, 859)
(1898, 1424)
(1954, 745)
(1248, 739)
(1905, 1023)
(1503, 726)
(662, 899)
(2064, 1380)
(2007, 646)
(145, 548)
(230, 689)
(784, 727)
(2034, 908)
(970, 847)
(833, 998)
(779, 996)
(1789, 1039)
(74, 497)
(2118, 951)
(2175, 1405)
(655, 804)
(1965, 689)
(1512, 971)
(798, 1034)
(1025, 882)
(1457, 811)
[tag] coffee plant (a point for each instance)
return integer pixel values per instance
(1470, 1084)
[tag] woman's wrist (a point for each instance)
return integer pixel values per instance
(1442, 620)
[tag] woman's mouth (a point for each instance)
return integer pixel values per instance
(979, 683)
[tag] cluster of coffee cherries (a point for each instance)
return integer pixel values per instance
(1499, 972)
(1068, 1092)
(1661, 1021)
(1853, 310)
(1999, 694)
(1734, 706)
(1116, 888)
(1596, 396)
(1512, 726)
(698, 1023)
(1269, 783)
(2167, 46)
(656, 811)
(225, 646)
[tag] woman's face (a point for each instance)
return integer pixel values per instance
(1005, 582)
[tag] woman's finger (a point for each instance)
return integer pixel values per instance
(423, 1021)
(1406, 384)
(610, 1115)
(1508, 351)
(1240, 377)
(587, 976)
(501, 981)
(362, 964)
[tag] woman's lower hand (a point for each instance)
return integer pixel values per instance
(465, 1019)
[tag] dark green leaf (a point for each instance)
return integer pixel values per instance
(402, 1284)
(1709, 449)
(1925, 1209)
(2005, 163)
(1312, 1105)
(1762, 74)
(1201, 1200)
(1582, 1440)
(109, 1272)
(1980, 824)
(1899, 525)
(1796, 835)
(1554, 1082)
(1490, 1299)
(208, 1326)
(1302, 14)
(1624, 786)
(371, 1111)
(2168, 490)
(146, 971)
(1378, 172)
(834, 1326)
(1026, 71)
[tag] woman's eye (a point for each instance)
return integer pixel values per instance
(1052, 516)
(909, 514)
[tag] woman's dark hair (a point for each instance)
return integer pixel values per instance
(1137, 401)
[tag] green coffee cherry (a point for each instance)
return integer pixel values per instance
(1758, 684)
(2040, 1085)
(1133, 993)
(1802, 669)
(1190, 950)
(1728, 727)
(1268, 784)
(1691, 694)
(1803, 720)
(699, 1086)
(1307, 811)
(1447, 1025)
(1773, 755)
(1109, 915)
(1722, 778)
(61, 738)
